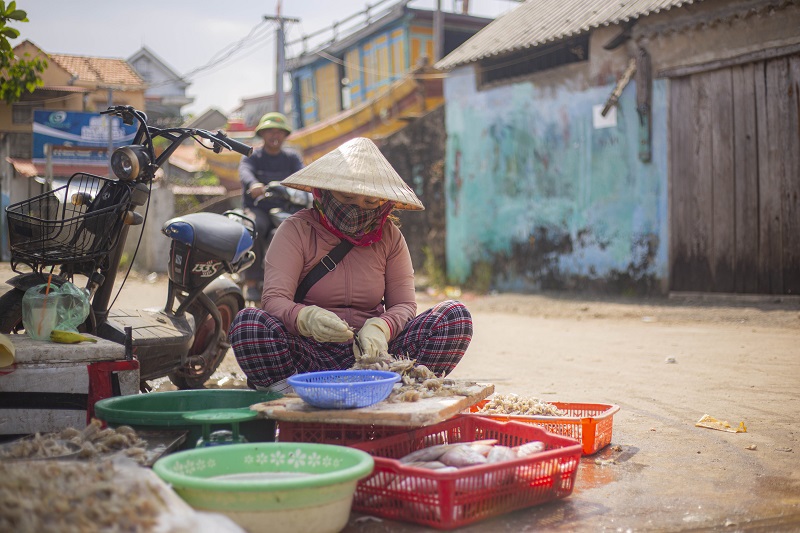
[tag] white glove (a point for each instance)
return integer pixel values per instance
(374, 337)
(256, 190)
(323, 325)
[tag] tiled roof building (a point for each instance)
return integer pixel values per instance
(99, 70)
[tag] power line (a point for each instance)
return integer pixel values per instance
(228, 52)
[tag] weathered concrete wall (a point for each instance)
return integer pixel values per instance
(717, 30)
(547, 199)
(540, 198)
(417, 153)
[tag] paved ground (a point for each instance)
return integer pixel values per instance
(666, 363)
(736, 361)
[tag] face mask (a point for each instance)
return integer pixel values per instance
(350, 219)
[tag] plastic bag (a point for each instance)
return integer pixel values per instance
(73, 308)
(63, 308)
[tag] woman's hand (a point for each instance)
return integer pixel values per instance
(374, 338)
(322, 325)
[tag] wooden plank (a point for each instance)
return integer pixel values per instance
(722, 243)
(760, 84)
(771, 179)
(701, 193)
(680, 130)
(741, 59)
(790, 199)
(745, 171)
(421, 413)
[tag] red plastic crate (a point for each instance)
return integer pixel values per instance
(590, 423)
(446, 500)
(340, 434)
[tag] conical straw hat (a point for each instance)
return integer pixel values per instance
(356, 167)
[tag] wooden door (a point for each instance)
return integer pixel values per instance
(735, 179)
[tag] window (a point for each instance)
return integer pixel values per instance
(308, 101)
(532, 60)
(382, 60)
(327, 90)
(22, 114)
(398, 54)
(352, 84)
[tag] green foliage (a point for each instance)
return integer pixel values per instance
(160, 144)
(186, 203)
(480, 280)
(124, 261)
(434, 271)
(207, 178)
(16, 75)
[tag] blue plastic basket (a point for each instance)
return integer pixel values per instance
(344, 389)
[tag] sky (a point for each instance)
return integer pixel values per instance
(189, 34)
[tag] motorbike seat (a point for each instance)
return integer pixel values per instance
(212, 233)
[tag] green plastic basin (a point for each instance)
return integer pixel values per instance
(276, 486)
(166, 410)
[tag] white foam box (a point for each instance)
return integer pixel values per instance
(53, 386)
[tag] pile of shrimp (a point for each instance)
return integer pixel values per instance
(511, 404)
(56, 496)
(417, 381)
(89, 443)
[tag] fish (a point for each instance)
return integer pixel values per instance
(529, 448)
(498, 454)
(483, 447)
(429, 465)
(462, 456)
(431, 453)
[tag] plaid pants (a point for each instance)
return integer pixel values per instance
(268, 353)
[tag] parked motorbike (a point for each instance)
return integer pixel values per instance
(81, 228)
(289, 201)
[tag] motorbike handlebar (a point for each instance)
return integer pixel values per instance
(236, 146)
(175, 136)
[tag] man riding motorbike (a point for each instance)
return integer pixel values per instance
(270, 164)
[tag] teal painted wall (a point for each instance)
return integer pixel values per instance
(547, 201)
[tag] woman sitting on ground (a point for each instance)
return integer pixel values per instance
(370, 291)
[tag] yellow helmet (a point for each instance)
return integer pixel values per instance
(274, 120)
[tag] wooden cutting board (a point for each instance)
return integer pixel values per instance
(425, 412)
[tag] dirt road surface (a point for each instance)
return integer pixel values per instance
(666, 363)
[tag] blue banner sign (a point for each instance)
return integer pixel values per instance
(65, 129)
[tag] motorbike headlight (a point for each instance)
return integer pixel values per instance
(128, 161)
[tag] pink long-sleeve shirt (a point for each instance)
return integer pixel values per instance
(353, 290)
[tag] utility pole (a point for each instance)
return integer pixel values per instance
(280, 49)
(438, 33)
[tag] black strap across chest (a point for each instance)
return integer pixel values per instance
(326, 264)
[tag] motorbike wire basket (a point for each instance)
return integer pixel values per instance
(75, 222)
